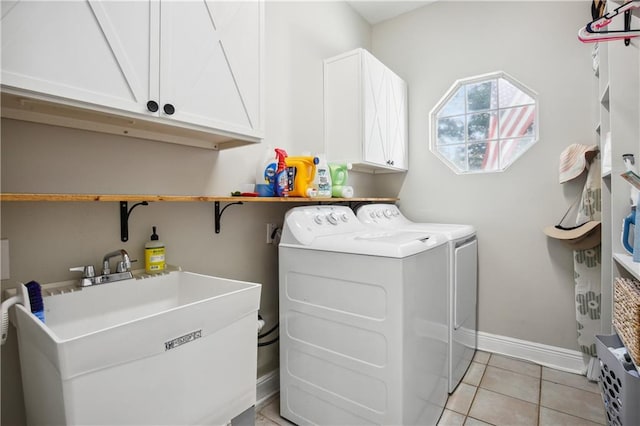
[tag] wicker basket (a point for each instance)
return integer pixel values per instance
(626, 314)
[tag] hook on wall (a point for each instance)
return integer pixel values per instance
(125, 211)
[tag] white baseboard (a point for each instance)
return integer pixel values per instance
(549, 356)
(267, 386)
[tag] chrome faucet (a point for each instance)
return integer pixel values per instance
(123, 270)
(123, 266)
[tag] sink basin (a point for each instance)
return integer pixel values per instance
(179, 348)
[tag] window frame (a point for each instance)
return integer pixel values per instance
(449, 95)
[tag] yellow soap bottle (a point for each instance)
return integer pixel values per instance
(154, 255)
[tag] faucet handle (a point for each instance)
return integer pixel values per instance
(125, 265)
(87, 271)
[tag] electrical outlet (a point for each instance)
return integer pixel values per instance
(270, 228)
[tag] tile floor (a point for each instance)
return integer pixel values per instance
(498, 390)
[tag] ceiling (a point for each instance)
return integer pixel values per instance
(377, 11)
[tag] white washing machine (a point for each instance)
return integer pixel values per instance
(363, 321)
(463, 280)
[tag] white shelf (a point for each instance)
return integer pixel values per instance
(626, 261)
(604, 98)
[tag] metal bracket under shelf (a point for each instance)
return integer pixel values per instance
(218, 213)
(125, 211)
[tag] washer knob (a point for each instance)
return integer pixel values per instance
(317, 219)
(387, 213)
(372, 214)
(332, 218)
(344, 217)
(379, 213)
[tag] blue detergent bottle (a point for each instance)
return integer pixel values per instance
(266, 174)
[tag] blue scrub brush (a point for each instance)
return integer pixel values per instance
(30, 296)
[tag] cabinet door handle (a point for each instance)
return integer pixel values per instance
(168, 109)
(152, 106)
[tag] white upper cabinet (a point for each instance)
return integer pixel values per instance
(71, 50)
(365, 113)
(210, 63)
(192, 69)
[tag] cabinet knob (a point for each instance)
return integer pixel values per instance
(152, 106)
(168, 109)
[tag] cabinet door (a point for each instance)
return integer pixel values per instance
(88, 51)
(397, 142)
(375, 105)
(211, 60)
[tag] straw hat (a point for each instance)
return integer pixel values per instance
(580, 237)
(575, 159)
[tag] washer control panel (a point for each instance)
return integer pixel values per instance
(304, 224)
(387, 215)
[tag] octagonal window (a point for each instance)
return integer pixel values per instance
(484, 123)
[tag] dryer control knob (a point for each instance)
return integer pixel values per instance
(379, 213)
(372, 214)
(387, 213)
(344, 217)
(332, 218)
(317, 219)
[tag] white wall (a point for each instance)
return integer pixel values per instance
(526, 286)
(48, 238)
(526, 281)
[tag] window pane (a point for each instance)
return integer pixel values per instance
(511, 149)
(484, 123)
(482, 126)
(450, 130)
(454, 106)
(481, 96)
(456, 155)
(484, 156)
(510, 95)
(519, 121)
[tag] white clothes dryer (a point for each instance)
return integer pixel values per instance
(463, 280)
(363, 321)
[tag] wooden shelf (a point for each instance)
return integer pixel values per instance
(125, 211)
(179, 198)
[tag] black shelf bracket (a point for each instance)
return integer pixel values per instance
(218, 213)
(125, 211)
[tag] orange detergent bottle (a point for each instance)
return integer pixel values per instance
(304, 173)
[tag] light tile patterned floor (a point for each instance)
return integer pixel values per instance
(498, 390)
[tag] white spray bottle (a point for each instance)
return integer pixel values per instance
(323, 177)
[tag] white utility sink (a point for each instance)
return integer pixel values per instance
(179, 348)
